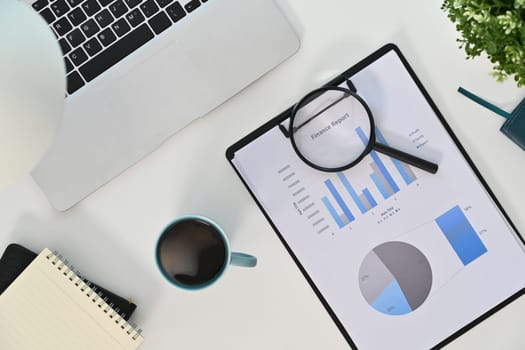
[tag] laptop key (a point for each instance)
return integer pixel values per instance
(106, 37)
(75, 37)
(164, 3)
(90, 28)
(149, 8)
(48, 15)
(159, 23)
(104, 18)
(62, 26)
(132, 3)
(77, 16)
(78, 56)
(59, 7)
(105, 3)
(92, 46)
(40, 4)
(118, 8)
(73, 3)
(91, 7)
(175, 11)
(64, 46)
(69, 65)
(121, 27)
(116, 52)
(74, 82)
(192, 5)
(135, 17)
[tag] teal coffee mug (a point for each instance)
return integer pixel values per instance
(193, 253)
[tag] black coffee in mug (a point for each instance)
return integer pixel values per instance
(192, 252)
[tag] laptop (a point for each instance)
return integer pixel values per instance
(140, 70)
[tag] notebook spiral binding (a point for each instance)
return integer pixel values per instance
(84, 286)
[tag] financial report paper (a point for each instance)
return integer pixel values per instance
(403, 258)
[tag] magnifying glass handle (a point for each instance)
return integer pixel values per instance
(407, 158)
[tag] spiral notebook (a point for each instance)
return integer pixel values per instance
(49, 307)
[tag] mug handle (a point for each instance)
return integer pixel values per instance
(244, 260)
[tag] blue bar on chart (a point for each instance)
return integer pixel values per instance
(379, 168)
(339, 200)
(352, 192)
(380, 185)
(384, 186)
(337, 218)
(404, 170)
(365, 201)
(461, 235)
(369, 198)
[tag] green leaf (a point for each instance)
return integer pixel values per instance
(493, 27)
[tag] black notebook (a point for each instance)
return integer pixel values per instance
(17, 258)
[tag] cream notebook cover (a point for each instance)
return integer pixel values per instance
(49, 307)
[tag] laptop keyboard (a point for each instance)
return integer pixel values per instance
(96, 34)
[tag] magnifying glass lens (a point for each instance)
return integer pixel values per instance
(331, 129)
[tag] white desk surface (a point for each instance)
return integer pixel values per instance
(111, 235)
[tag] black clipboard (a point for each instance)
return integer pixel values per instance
(345, 76)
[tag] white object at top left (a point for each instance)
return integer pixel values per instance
(32, 88)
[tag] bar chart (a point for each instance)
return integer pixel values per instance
(461, 235)
(346, 216)
(364, 200)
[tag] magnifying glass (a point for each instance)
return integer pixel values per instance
(332, 129)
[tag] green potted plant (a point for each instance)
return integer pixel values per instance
(495, 27)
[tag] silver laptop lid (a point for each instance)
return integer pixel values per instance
(180, 75)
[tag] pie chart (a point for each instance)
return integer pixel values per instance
(395, 278)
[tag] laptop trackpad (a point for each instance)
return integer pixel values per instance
(118, 123)
(152, 100)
